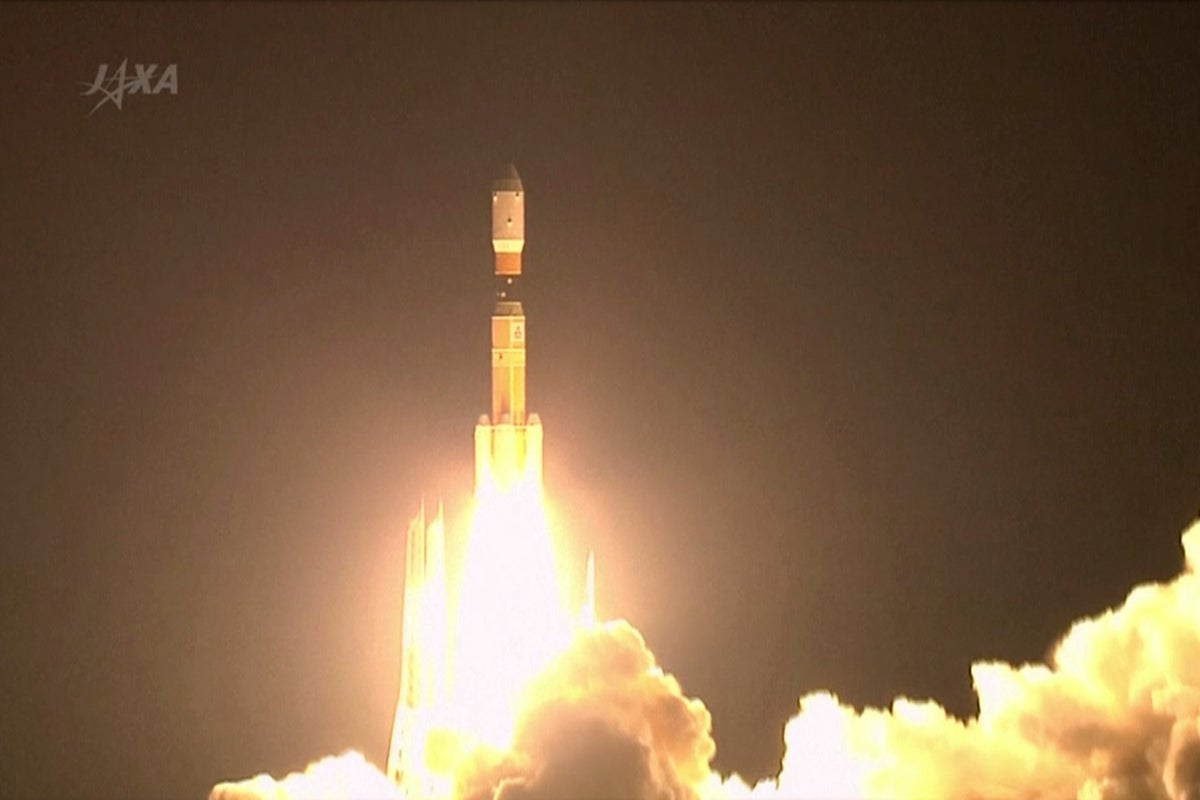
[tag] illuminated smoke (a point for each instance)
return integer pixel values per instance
(602, 721)
(1114, 715)
(344, 777)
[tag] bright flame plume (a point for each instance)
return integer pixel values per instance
(511, 617)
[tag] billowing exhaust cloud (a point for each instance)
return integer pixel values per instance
(602, 721)
(1115, 715)
(344, 777)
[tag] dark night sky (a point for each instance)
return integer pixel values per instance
(865, 338)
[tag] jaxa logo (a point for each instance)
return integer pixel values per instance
(146, 79)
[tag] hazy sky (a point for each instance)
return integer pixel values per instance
(864, 338)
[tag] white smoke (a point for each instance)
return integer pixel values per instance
(603, 720)
(1114, 715)
(345, 777)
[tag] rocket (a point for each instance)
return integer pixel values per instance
(508, 455)
(508, 452)
(508, 444)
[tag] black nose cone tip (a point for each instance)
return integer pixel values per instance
(509, 181)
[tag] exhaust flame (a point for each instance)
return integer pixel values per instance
(511, 619)
(1114, 715)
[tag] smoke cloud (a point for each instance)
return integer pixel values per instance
(1113, 715)
(603, 721)
(344, 777)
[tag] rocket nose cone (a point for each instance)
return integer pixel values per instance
(509, 180)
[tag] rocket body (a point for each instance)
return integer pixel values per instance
(508, 443)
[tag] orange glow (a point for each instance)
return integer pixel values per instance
(511, 618)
